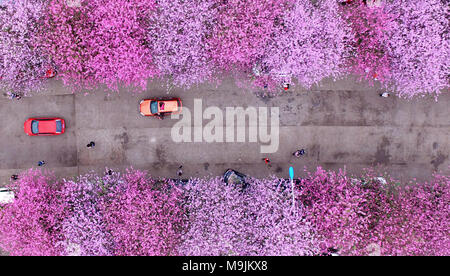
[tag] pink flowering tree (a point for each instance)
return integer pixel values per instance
(371, 215)
(143, 216)
(179, 35)
(63, 32)
(243, 29)
(416, 219)
(224, 220)
(418, 46)
(116, 45)
(370, 25)
(309, 44)
(343, 210)
(134, 214)
(99, 42)
(22, 65)
(31, 225)
(84, 227)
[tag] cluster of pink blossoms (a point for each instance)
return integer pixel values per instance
(135, 214)
(125, 43)
(22, 64)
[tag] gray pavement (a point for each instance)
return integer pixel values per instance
(343, 124)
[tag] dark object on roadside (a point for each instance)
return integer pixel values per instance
(180, 171)
(41, 163)
(330, 252)
(91, 144)
(50, 73)
(235, 178)
(14, 177)
(299, 153)
(109, 172)
(346, 2)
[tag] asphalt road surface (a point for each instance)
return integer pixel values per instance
(342, 124)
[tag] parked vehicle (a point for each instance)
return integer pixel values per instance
(44, 126)
(160, 107)
(235, 178)
(6, 196)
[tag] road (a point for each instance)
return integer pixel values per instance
(340, 124)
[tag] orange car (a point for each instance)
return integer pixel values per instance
(160, 107)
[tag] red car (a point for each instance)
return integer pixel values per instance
(44, 126)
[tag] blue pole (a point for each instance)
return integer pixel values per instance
(291, 176)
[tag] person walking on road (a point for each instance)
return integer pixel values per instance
(15, 96)
(267, 161)
(91, 144)
(41, 163)
(14, 177)
(299, 153)
(180, 171)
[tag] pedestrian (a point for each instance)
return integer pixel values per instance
(267, 161)
(15, 96)
(180, 171)
(385, 94)
(299, 153)
(41, 163)
(91, 144)
(109, 172)
(14, 177)
(286, 86)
